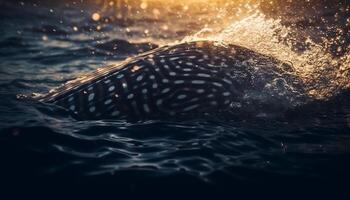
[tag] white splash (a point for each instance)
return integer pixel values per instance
(322, 74)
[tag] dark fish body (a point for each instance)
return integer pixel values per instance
(190, 79)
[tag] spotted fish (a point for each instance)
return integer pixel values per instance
(189, 79)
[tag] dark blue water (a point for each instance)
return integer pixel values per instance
(41, 146)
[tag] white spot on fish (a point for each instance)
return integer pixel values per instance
(179, 81)
(198, 82)
(165, 90)
(111, 88)
(91, 96)
(72, 107)
(152, 77)
(226, 94)
(130, 96)
(182, 96)
(120, 76)
(155, 86)
(172, 73)
(204, 75)
(218, 84)
(146, 108)
(115, 113)
(190, 108)
(139, 78)
(108, 101)
(200, 91)
(165, 81)
(227, 81)
(92, 109)
(71, 99)
(214, 103)
(194, 99)
(159, 102)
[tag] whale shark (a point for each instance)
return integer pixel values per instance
(190, 79)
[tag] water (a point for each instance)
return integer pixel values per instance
(44, 45)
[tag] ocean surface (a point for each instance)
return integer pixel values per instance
(44, 45)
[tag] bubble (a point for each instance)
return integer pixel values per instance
(165, 27)
(95, 17)
(143, 5)
(156, 12)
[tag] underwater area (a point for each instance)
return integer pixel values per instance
(44, 44)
